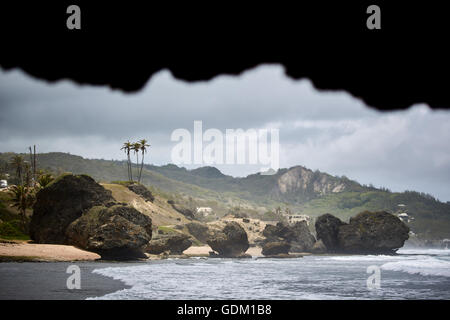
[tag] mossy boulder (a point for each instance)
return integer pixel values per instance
(174, 243)
(62, 202)
(327, 230)
(232, 241)
(118, 232)
(297, 235)
(275, 248)
(373, 233)
(366, 233)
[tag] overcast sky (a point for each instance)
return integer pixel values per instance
(329, 131)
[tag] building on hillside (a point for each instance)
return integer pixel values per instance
(205, 211)
(294, 218)
(405, 217)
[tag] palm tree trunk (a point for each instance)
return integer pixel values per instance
(131, 171)
(137, 164)
(142, 166)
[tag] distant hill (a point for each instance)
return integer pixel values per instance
(295, 190)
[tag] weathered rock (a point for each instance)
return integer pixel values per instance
(319, 247)
(327, 230)
(141, 190)
(276, 248)
(199, 231)
(188, 213)
(232, 241)
(298, 235)
(373, 233)
(174, 243)
(118, 232)
(62, 202)
(303, 240)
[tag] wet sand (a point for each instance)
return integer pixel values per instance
(47, 281)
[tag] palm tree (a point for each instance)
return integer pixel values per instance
(23, 198)
(127, 148)
(144, 146)
(18, 163)
(28, 174)
(45, 179)
(136, 148)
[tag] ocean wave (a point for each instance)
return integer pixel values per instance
(427, 266)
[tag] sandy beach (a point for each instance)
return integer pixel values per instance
(16, 250)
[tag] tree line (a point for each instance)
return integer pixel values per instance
(29, 180)
(139, 147)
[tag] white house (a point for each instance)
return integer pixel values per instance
(405, 217)
(292, 219)
(3, 183)
(205, 211)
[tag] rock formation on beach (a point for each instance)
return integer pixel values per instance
(373, 232)
(297, 236)
(174, 243)
(230, 242)
(78, 211)
(119, 232)
(275, 248)
(62, 202)
(366, 233)
(327, 229)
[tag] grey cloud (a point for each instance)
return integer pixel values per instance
(329, 131)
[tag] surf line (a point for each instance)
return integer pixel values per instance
(205, 311)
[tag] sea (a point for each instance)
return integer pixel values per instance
(411, 274)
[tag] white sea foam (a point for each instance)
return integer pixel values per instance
(426, 266)
(310, 277)
(361, 258)
(445, 252)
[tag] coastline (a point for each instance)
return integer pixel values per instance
(23, 251)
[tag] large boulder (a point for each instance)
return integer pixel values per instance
(174, 243)
(119, 232)
(303, 240)
(142, 191)
(199, 230)
(62, 202)
(298, 235)
(276, 248)
(327, 230)
(232, 241)
(373, 233)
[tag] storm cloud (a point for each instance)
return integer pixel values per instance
(330, 131)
